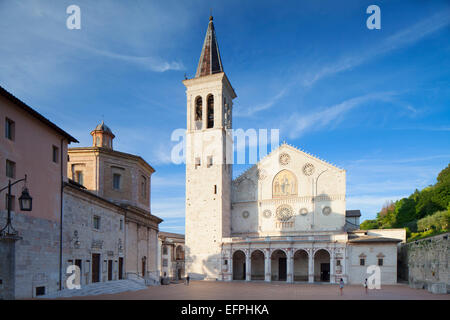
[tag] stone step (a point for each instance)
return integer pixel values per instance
(108, 287)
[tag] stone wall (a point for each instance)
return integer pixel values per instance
(428, 263)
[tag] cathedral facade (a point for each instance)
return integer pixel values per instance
(284, 219)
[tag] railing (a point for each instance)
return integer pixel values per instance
(305, 238)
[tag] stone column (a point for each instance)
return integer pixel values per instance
(268, 267)
(332, 267)
(290, 266)
(311, 266)
(248, 266)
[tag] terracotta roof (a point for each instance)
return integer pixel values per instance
(171, 235)
(373, 239)
(19, 103)
(210, 61)
(353, 213)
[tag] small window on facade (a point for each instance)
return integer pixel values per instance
(210, 162)
(13, 202)
(10, 169)
(9, 129)
(79, 177)
(55, 154)
(40, 291)
(215, 189)
(121, 225)
(144, 187)
(116, 181)
(380, 262)
(225, 262)
(362, 262)
(197, 163)
(164, 262)
(96, 221)
(164, 249)
(198, 113)
(338, 262)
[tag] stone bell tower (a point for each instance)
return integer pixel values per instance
(208, 161)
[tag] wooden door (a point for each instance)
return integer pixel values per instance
(282, 269)
(120, 268)
(110, 270)
(95, 267)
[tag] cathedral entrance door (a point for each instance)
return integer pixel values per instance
(282, 269)
(325, 272)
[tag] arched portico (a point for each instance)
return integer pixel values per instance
(239, 265)
(301, 265)
(279, 265)
(322, 266)
(257, 265)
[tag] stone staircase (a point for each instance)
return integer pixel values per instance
(109, 287)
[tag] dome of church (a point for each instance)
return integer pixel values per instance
(103, 127)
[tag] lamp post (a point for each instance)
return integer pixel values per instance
(25, 202)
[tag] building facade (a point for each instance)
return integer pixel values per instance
(284, 219)
(171, 255)
(31, 145)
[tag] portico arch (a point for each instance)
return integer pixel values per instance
(257, 265)
(322, 266)
(301, 265)
(239, 265)
(279, 265)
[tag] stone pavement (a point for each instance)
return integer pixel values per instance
(99, 288)
(237, 290)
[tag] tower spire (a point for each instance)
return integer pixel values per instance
(210, 61)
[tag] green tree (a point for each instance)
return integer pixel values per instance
(369, 224)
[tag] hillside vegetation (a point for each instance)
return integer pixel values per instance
(424, 213)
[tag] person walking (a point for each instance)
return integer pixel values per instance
(365, 285)
(341, 286)
(187, 280)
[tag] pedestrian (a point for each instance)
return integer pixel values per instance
(341, 286)
(187, 280)
(365, 285)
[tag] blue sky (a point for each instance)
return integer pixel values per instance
(374, 102)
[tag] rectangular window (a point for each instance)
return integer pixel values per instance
(9, 129)
(79, 177)
(164, 262)
(215, 189)
(143, 187)
(96, 221)
(164, 250)
(10, 169)
(210, 162)
(116, 181)
(362, 262)
(13, 201)
(197, 163)
(121, 225)
(380, 262)
(338, 262)
(40, 291)
(55, 154)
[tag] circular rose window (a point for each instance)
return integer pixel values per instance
(308, 169)
(326, 210)
(284, 212)
(303, 211)
(267, 213)
(245, 214)
(284, 159)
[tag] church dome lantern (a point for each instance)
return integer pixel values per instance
(102, 136)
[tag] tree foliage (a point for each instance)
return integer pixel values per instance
(426, 211)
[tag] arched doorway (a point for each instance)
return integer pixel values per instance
(301, 265)
(279, 265)
(257, 272)
(239, 265)
(322, 266)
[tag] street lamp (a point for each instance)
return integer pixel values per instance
(25, 202)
